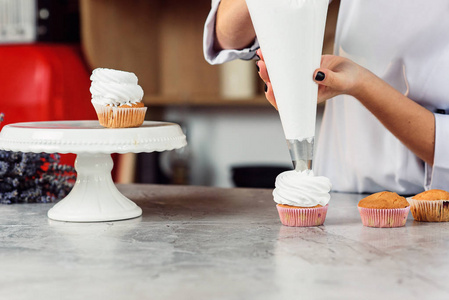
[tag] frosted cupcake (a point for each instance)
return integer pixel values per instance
(384, 209)
(302, 198)
(430, 206)
(117, 98)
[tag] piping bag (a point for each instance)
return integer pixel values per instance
(290, 34)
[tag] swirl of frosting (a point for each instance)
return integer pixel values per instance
(114, 87)
(301, 189)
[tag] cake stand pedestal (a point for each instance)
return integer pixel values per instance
(94, 197)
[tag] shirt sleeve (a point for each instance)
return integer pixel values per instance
(213, 57)
(437, 177)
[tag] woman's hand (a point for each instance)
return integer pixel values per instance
(337, 75)
(410, 122)
(263, 73)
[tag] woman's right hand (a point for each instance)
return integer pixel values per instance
(263, 73)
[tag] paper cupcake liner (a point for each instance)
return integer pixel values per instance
(429, 210)
(114, 117)
(384, 218)
(302, 217)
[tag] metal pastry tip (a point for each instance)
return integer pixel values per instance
(301, 152)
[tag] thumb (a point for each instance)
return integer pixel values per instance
(328, 78)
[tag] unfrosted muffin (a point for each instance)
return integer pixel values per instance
(434, 194)
(302, 199)
(430, 206)
(384, 209)
(117, 97)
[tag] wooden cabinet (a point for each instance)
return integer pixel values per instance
(161, 41)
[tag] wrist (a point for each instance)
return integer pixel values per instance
(364, 84)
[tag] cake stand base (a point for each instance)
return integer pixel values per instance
(94, 197)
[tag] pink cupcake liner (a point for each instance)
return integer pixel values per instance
(302, 217)
(429, 210)
(384, 218)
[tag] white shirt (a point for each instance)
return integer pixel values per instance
(406, 43)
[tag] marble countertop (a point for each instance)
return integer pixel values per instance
(213, 243)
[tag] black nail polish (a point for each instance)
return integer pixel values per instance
(265, 88)
(257, 66)
(319, 76)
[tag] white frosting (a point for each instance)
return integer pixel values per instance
(290, 34)
(301, 189)
(113, 87)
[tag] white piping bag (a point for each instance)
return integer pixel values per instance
(290, 34)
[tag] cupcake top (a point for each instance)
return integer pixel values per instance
(384, 200)
(301, 189)
(114, 87)
(432, 195)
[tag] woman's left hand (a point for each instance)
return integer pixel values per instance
(410, 122)
(337, 75)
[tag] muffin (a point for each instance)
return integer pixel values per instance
(302, 198)
(384, 209)
(117, 98)
(430, 206)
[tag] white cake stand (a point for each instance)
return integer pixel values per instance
(94, 197)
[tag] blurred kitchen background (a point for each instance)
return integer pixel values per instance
(48, 49)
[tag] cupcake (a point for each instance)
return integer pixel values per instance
(384, 209)
(117, 98)
(302, 198)
(430, 206)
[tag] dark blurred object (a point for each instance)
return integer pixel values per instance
(58, 21)
(175, 164)
(256, 176)
(33, 178)
(30, 21)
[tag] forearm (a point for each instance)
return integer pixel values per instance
(233, 26)
(411, 123)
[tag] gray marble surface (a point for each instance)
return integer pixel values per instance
(212, 243)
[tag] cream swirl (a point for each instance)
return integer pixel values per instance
(114, 87)
(301, 189)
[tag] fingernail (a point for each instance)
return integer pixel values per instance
(257, 66)
(265, 88)
(319, 76)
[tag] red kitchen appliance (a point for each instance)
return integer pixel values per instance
(44, 82)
